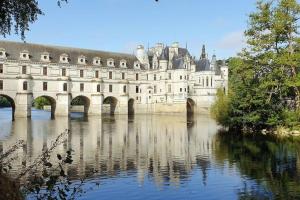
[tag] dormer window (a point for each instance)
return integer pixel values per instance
(64, 58)
(82, 60)
(24, 55)
(110, 62)
(45, 57)
(137, 65)
(2, 53)
(123, 63)
(97, 61)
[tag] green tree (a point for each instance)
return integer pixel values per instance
(18, 15)
(40, 102)
(264, 79)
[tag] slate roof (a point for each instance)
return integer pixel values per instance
(13, 50)
(203, 65)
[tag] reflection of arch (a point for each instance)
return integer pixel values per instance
(12, 104)
(131, 107)
(112, 101)
(81, 101)
(52, 102)
(190, 106)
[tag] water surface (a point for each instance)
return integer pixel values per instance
(160, 157)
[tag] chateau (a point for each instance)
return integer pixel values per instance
(162, 79)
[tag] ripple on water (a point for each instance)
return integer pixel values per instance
(157, 157)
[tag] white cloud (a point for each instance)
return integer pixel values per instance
(232, 41)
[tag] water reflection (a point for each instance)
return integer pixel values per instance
(160, 156)
(273, 164)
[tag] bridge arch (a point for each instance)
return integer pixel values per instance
(190, 106)
(11, 103)
(131, 106)
(109, 105)
(81, 100)
(44, 100)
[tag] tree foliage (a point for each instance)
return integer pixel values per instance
(17, 15)
(265, 79)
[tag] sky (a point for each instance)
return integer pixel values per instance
(121, 25)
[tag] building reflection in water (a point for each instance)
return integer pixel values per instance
(164, 149)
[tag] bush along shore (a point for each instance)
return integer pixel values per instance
(264, 82)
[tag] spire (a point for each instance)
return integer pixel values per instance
(203, 54)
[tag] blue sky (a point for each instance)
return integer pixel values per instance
(120, 25)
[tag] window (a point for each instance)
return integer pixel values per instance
(98, 88)
(187, 77)
(1, 68)
(24, 70)
(203, 82)
(25, 85)
(169, 88)
(110, 75)
(45, 86)
(136, 89)
(45, 57)
(180, 77)
(123, 75)
(211, 82)
(65, 87)
(149, 91)
(136, 76)
(63, 72)
(155, 89)
(45, 71)
(124, 89)
(184, 77)
(170, 76)
(81, 73)
(154, 77)
(24, 55)
(97, 74)
(147, 77)
(1, 84)
(185, 89)
(180, 89)
(110, 88)
(81, 87)
(207, 81)
(188, 89)
(1, 53)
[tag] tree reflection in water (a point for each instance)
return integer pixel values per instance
(273, 165)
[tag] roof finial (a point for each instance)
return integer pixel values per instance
(203, 54)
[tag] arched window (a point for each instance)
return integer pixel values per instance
(25, 85)
(65, 87)
(98, 88)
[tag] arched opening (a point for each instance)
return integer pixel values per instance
(190, 106)
(7, 105)
(45, 103)
(131, 107)
(109, 105)
(80, 104)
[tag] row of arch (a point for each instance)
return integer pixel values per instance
(84, 101)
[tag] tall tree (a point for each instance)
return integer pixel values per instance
(265, 80)
(18, 15)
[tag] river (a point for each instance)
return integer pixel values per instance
(159, 157)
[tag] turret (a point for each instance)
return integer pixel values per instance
(141, 55)
(213, 65)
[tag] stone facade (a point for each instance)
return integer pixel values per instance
(162, 79)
